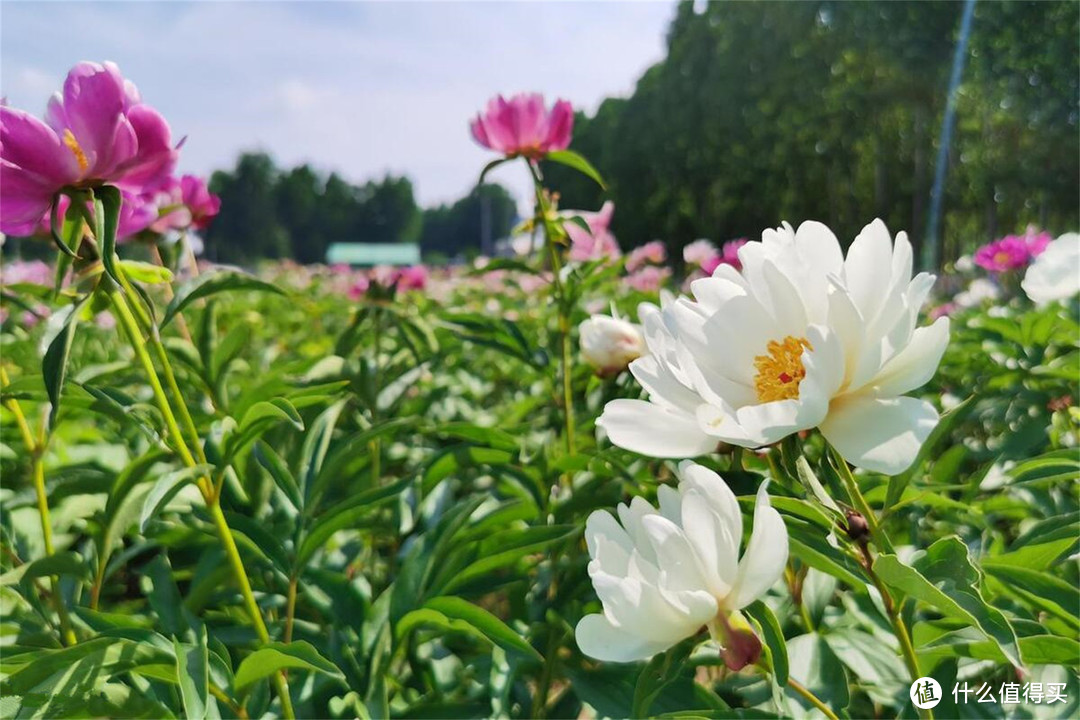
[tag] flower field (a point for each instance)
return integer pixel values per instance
(780, 476)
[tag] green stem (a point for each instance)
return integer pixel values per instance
(542, 212)
(153, 339)
(859, 502)
(811, 698)
(36, 448)
(131, 328)
(881, 540)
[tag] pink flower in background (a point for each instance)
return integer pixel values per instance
(1008, 253)
(701, 253)
(359, 287)
(1036, 241)
(96, 131)
(185, 203)
(649, 278)
(33, 272)
(942, 311)
(414, 277)
(200, 202)
(653, 253)
(523, 126)
(596, 243)
(728, 255)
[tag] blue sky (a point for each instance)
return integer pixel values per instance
(360, 88)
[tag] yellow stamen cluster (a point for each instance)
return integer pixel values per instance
(73, 146)
(780, 372)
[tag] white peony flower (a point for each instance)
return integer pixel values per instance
(610, 344)
(1055, 274)
(978, 291)
(664, 574)
(800, 338)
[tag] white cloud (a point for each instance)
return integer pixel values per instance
(360, 88)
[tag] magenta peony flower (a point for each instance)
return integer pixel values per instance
(1008, 253)
(97, 131)
(523, 126)
(651, 253)
(414, 277)
(596, 243)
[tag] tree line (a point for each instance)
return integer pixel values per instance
(267, 212)
(765, 111)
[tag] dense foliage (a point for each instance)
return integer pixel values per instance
(831, 110)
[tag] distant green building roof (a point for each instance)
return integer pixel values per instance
(373, 254)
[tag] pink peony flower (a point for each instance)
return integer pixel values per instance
(596, 243)
(32, 272)
(701, 253)
(414, 277)
(523, 126)
(728, 255)
(653, 253)
(359, 287)
(1008, 253)
(649, 278)
(97, 131)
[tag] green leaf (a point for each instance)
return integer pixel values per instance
(107, 202)
(574, 160)
(193, 674)
(276, 656)
(661, 671)
(212, 283)
(348, 513)
(453, 613)
(941, 432)
(61, 563)
(146, 272)
(284, 479)
(816, 667)
(1041, 589)
(944, 577)
(773, 636)
(166, 488)
(316, 444)
(60, 335)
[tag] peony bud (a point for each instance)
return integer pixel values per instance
(610, 344)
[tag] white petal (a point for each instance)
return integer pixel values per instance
(714, 542)
(868, 268)
(601, 640)
(652, 430)
(662, 385)
(608, 542)
(766, 554)
(679, 566)
(879, 434)
(670, 503)
(913, 366)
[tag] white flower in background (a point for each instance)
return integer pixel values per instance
(609, 344)
(978, 291)
(1055, 274)
(800, 338)
(964, 264)
(662, 575)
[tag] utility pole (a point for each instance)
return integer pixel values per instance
(931, 256)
